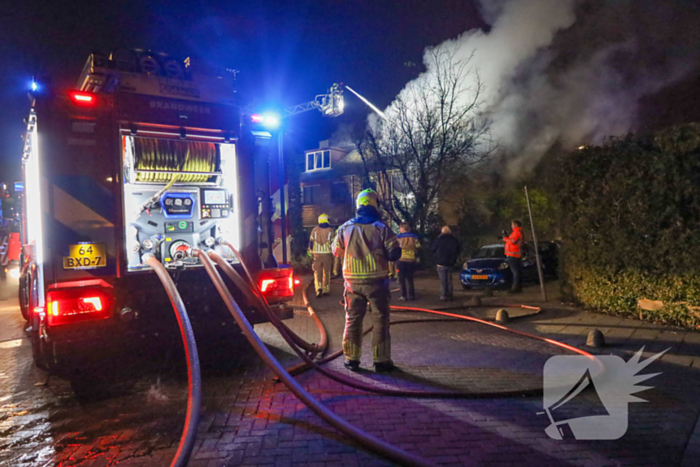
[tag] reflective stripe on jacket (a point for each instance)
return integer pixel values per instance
(514, 243)
(409, 246)
(365, 249)
(321, 239)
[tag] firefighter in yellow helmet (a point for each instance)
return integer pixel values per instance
(367, 245)
(320, 247)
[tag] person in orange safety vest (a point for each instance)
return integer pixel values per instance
(513, 251)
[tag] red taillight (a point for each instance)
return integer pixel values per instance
(96, 302)
(276, 283)
(83, 98)
(66, 306)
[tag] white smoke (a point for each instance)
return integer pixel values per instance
(568, 72)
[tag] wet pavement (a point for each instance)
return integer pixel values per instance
(249, 419)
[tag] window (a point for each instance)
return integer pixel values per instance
(318, 160)
(490, 252)
(340, 193)
(312, 194)
(310, 161)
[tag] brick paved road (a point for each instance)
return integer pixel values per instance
(248, 419)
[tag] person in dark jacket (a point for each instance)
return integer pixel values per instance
(445, 251)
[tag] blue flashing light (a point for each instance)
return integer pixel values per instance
(271, 120)
(34, 86)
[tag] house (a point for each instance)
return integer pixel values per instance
(331, 180)
(333, 176)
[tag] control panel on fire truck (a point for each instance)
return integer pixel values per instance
(215, 203)
(167, 217)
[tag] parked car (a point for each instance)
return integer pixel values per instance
(488, 267)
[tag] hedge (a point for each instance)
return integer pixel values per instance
(631, 224)
(617, 293)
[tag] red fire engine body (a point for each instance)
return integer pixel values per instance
(144, 156)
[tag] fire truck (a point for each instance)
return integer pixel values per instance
(146, 155)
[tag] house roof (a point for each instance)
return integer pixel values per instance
(327, 148)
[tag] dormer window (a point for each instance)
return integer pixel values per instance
(318, 160)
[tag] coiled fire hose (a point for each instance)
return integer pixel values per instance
(235, 277)
(310, 363)
(166, 155)
(194, 379)
(374, 444)
(253, 293)
(323, 344)
(434, 394)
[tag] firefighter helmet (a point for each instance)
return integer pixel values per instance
(367, 197)
(323, 219)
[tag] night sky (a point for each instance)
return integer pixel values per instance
(566, 72)
(286, 51)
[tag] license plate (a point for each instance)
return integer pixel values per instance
(85, 256)
(479, 277)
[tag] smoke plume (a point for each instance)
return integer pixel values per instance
(571, 72)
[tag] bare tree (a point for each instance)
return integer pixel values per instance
(431, 135)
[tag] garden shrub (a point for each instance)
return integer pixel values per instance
(301, 264)
(617, 293)
(631, 224)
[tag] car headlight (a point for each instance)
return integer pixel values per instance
(503, 266)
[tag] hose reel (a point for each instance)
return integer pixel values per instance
(156, 160)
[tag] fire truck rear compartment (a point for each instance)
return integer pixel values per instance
(178, 194)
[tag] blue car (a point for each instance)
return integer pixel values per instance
(488, 268)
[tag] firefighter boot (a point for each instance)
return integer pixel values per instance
(352, 365)
(383, 367)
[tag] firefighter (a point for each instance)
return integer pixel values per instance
(366, 246)
(393, 273)
(407, 263)
(320, 247)
(513, 251)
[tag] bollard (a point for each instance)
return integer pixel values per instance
(595, 339)
(475, 301)
(502, 316)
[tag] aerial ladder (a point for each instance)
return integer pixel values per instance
(331, 104)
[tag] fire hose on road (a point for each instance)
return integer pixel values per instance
(252, 293)
(194, 379)
(316, 365)
(323, 344)
(365, 439)
(306, 351)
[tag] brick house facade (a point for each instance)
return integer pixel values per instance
(331, 180)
